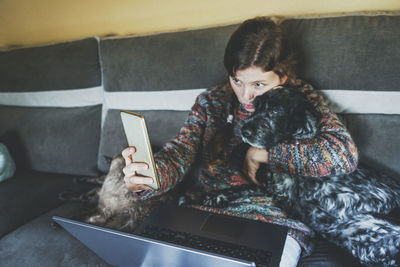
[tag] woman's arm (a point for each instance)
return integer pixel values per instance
(331, 152)
(176, 157)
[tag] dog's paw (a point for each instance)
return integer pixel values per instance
(96, 219)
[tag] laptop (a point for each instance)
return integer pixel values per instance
(182, 236)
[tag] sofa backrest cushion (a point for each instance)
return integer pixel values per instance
(348, 52)
(50, 106)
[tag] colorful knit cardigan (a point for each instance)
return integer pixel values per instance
(331, 152)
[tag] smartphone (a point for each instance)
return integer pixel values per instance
(137, 135)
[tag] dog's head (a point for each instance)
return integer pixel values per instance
(281, 114)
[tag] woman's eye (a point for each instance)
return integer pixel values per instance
(235, 80)
(259, 85)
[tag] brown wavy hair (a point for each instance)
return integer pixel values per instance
(260, 42)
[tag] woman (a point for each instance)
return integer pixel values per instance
(257, 60)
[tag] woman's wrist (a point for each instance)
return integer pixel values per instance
(259, 154)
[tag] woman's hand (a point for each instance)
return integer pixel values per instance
(254, 157)
(134, 182)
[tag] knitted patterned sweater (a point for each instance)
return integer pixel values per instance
(331, 152)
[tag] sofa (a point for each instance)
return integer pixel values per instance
(60, 103)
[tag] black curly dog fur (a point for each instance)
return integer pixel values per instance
(348, 209)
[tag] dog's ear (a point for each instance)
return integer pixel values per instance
(310, 128)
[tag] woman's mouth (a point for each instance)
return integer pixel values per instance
(248, 107)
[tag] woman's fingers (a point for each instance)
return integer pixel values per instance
(138, 180)
(132, 181)
(254, 179)
(254, 157)
(250, 169)
(127, 154)
(132, 168)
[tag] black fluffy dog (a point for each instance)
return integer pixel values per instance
(348, 210)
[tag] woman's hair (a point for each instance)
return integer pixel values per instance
(260, 42)
(257, 42)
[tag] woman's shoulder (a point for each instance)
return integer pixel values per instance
(315, 96)
(308, 89)
(304, 86)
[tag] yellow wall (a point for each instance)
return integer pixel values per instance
(33, 22)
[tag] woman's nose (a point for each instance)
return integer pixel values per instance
(249, 94)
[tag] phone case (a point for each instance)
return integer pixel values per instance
(137, 136)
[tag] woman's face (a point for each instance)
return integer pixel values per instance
(252, 82)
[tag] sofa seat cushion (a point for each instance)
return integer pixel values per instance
(38, 243)
(28, 195)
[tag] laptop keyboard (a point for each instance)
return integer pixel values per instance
(260, 257)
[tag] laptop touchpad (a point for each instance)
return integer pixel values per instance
(221, 225)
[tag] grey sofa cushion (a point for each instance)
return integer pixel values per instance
(28, 195)
(41, 132)
(37, 243)
(349, 52)
(180, 60)
(61, 140)
(62, 66)
(377, 138)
